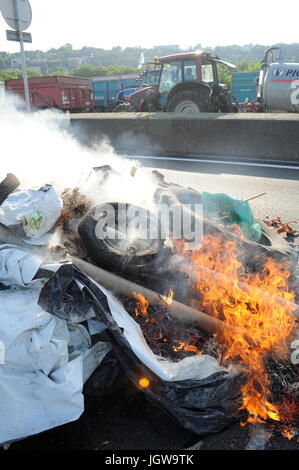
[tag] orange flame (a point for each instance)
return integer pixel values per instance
(267, 321)
(185, 347)
(142, 305)
(144, 382)
(168, 298)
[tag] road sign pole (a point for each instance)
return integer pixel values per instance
(23, 58)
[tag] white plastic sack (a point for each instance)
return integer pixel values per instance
(43, 363)
(34, 212)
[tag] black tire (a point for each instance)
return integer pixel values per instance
(148, 107)
(197, 98)
(109, 256)
(7, 186)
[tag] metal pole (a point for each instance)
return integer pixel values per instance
(23, 58)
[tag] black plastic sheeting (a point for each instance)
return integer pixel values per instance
(108, 380)
(63, 297)
(202, 406)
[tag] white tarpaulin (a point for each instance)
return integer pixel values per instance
(40, 381)
(17, 266)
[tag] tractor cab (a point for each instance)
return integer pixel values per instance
(193, 72)
(150, 76)
(188, 82)
(188, 67)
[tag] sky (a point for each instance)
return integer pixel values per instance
(102, 23)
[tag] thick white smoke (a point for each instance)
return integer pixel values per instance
(38, 149)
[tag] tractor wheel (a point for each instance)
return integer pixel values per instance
(148, 107)
(189, 101)
(123, 108)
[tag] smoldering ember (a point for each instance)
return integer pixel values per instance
(122, 289)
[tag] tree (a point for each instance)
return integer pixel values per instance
(248, 67)
(33, 73)
(85, 70)
(242, 66)
(89, 71)
(225, 75)
(100, 62)
(60, 73)
(2, 63)
(9, 74)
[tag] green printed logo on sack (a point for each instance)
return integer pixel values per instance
(37, 220)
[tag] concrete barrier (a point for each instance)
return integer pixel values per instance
(246, 136)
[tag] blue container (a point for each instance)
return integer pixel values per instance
(244, 86)
(100, 94)
(106, 89)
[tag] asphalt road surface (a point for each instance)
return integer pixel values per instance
(127, 421)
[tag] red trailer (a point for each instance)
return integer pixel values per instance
(68, 93)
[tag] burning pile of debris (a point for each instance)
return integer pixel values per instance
(207, 330)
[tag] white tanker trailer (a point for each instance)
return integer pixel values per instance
(278, 84)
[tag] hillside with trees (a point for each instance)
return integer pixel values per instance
(92, 61)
